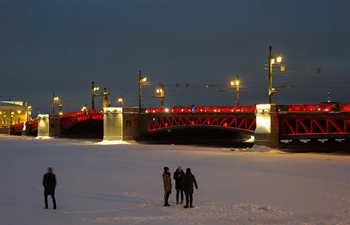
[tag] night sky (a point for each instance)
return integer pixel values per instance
(60, 47)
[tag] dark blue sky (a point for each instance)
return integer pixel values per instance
(62, 46)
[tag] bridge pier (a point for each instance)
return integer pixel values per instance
(25, 130)
(267, 127)
(48, 126)
(113, 124)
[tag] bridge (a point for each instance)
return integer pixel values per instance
(281, 122)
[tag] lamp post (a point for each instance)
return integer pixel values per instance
(236, 82)
(105, 98)
(272, 60)
(160, 91)
(121, 100)
(93, 94)
(141, 80)
(55, 100)
(60, 108)
(28, 112)
(84, 109)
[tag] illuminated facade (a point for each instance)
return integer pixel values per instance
(13, 111)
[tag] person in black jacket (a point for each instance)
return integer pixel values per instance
(49, 183)
(178, 176)
(188, 181)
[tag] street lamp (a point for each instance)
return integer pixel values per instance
(121, 100)
(60, 108)
(28, 112)
(93, 94)
(160, 91)
(236, 82)
(141, 81)
(55, 100)
(105, 98)
(272, 60)
(84, 109)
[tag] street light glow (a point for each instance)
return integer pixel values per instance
(279, 59)
(236, 83)
(272, 60)
(56, 99)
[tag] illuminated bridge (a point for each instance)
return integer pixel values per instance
(299, 121)
(295, 121)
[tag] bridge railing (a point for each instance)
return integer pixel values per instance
(203, 109)
(81, 113)
(317, 107)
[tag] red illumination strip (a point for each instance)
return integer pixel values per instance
(203, 109)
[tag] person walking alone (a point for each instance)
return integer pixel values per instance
(178, 176)
(188, 181)
(167, 186)
(49, 183)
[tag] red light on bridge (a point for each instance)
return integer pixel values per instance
(312, 108)
(345, 108)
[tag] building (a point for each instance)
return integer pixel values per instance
(13, 111)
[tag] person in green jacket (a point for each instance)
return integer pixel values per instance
(167, 186)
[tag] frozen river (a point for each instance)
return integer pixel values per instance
(121, 183)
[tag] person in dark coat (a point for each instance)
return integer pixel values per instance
(49, 183)
(188, 181)
(167, 186)
(178, 176)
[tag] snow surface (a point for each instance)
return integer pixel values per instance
(121, 183)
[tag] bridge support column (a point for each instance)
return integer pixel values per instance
(48, 126)
(267, 127)
(25, 130)
(113, 124)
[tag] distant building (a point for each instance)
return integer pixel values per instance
(13, 111)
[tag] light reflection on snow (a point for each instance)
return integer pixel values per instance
(113, 143)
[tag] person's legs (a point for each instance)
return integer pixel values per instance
(166, 198)
(165, 194)
(177, 196)
(45, 198)
(182, 196)
(53, 201)
(187, 196)
(191, 199)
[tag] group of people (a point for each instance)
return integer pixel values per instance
(183, 183)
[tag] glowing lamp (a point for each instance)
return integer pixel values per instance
(279, 59)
